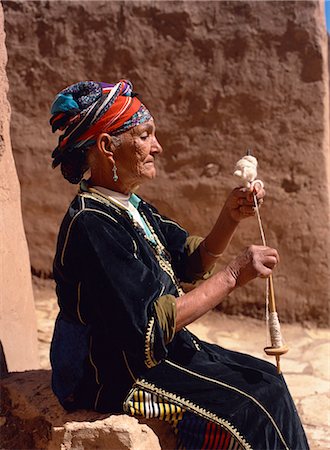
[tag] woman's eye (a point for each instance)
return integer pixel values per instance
(144, 136)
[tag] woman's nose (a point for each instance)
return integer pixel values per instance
(156, 147)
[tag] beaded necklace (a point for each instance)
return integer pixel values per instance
(162, 255)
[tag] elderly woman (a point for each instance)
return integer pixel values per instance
(120, 342)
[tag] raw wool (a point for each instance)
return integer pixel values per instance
(246, 169)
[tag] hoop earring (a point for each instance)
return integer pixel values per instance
(114, 170)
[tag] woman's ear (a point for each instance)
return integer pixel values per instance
(104, 144)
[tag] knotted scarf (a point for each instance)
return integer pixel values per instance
(88, 108)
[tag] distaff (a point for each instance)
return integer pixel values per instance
(246, 170)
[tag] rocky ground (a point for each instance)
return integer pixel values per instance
(306, 366)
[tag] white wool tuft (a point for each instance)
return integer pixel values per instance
(246, 169)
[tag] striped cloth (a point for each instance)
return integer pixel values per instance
(152, 406)
(193, 432)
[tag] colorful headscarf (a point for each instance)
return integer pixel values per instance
(88, 108)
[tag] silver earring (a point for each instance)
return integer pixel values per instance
(114, 170)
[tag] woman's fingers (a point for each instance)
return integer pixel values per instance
(241, 201)
(257, 185)
(259, 191)
(240, 192)
(247, 210)
(266, 266)
(266, 261)
(268, 252)
(260, 197)
(265, 272)
(254, 261)
(245, 196)
(275, 253)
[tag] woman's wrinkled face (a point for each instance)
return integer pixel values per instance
(135, 155)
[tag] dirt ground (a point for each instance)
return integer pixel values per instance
(306, 366)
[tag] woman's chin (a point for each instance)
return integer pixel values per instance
(150, 173)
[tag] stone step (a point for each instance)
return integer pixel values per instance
(31, 417)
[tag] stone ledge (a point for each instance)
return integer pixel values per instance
(32, 418)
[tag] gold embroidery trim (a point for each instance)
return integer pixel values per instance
(233, 388)
(128, 367)
(98, 396)
(67, 235)
(135, 248)
(168, 221)
(149, 344)
(92, 362)
(78, 303)
(164, 264)
(71, 223)
(108, 200)
(187, 404)
(95, 197)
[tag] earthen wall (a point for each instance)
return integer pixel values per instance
(219, 77)
(18, 327)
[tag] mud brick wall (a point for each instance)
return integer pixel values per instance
(18, 327)
(219, 77)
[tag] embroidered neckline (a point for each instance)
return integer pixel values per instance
(162, 256)
(108, 200)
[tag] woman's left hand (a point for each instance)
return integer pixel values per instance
(240, 204)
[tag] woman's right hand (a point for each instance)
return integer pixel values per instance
(255, 261)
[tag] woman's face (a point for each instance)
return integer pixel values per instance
(136, 153)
